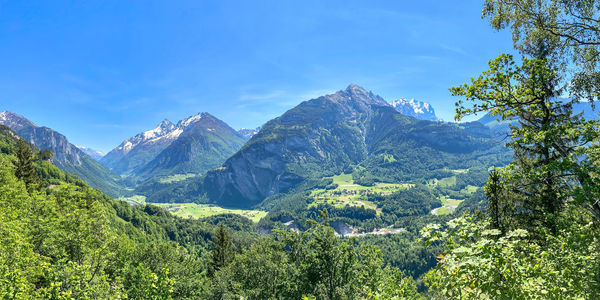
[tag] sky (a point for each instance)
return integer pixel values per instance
(100, 72)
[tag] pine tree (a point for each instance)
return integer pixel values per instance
(25, 168)
(222, 253)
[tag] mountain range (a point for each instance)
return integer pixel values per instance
(203, 159)
(352, 128)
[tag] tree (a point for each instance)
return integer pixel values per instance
(46, 155)
(222, 253)
(25, 168)
(569, 31)
(549, 142)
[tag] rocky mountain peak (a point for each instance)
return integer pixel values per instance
(15, 121)
(166, 124)
(356, 95)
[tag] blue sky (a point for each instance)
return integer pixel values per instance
(102, 71)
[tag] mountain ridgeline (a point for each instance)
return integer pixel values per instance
(67, 156)
(352, 130)
(195, 145)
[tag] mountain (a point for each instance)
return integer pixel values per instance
(205, 142)
(67, 156)
(415, 109)
(93, 153)
(324, 136)
(194, 145)
(248, 132)
(140, 149)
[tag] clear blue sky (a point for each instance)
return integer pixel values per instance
(102, 71)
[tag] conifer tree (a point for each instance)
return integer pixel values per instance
(25, 168)
(222, 253)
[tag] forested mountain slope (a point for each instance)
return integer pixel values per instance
(67, 156)
(63, 239)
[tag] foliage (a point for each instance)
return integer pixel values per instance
(481, 263)
(567, 32)
(313, 263)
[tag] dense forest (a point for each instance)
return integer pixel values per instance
(530, 233)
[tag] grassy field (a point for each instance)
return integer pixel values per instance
(444, 182)
(136, 199)
(197, 211)
(457, 171)
(176, 178)
(469, 189)
(450, 202)
(448, 206)
(443, 211)
(349, 193)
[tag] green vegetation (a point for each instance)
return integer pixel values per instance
(176, 178)
(198, 211)
(313, 264)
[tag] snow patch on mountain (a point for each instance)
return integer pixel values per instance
(191, 120)
(93, 153)
(414, 108)
(249, 132)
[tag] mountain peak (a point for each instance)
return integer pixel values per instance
(192, 119)
(13, 120)
(93, 153)
(353, 87)
(357, 94)
(414, 108)
(165, 123)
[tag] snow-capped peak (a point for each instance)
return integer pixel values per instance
(165, 132)
(13, 120)
(414, 108)
(190, 120)
(95, 154)
(162, 129)
(248, 132)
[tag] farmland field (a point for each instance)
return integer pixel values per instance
(197, 211)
